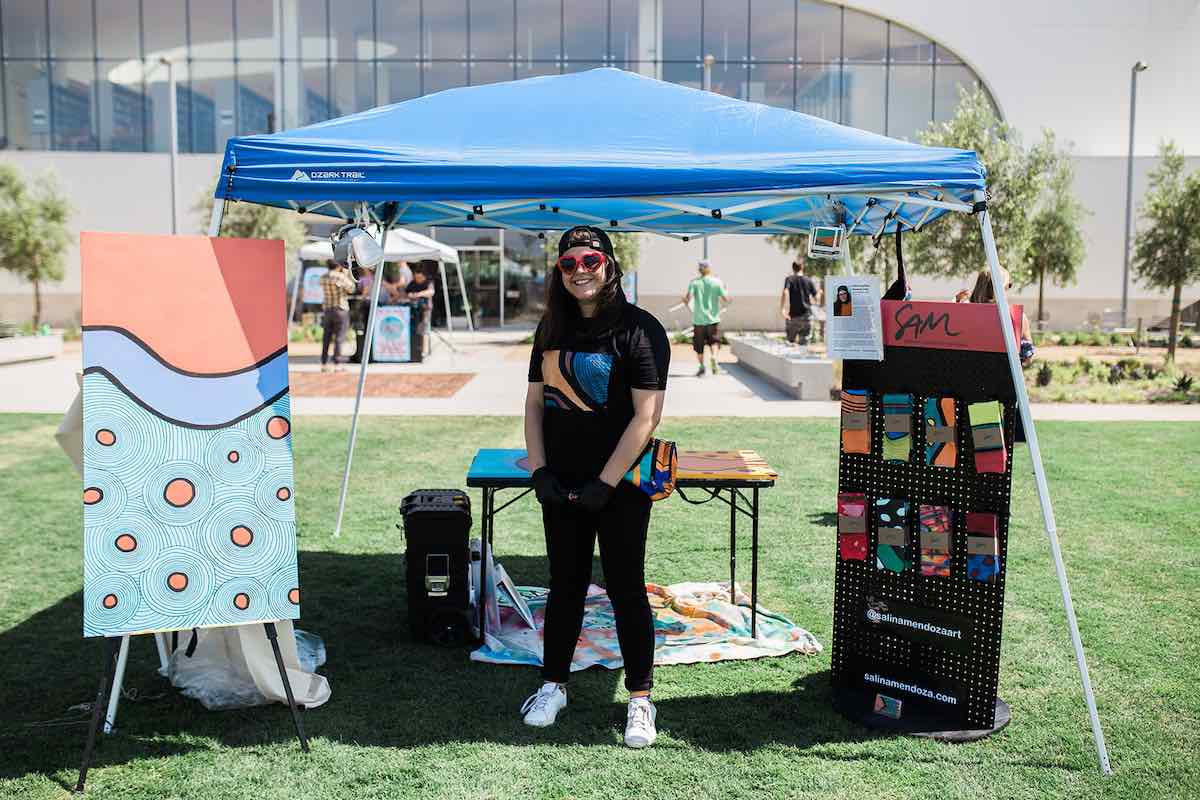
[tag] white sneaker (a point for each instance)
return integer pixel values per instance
(639, 723)
(541, 708)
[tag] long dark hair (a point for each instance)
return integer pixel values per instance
(562, 309)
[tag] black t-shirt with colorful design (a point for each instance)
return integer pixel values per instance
(588, 383)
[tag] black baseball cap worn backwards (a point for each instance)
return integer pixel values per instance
(585, 236)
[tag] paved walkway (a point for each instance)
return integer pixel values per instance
(498, 360)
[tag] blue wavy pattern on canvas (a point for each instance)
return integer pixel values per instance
(200, 400)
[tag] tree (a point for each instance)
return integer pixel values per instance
(1016, 180)
(866, 258)
(33, 231)
(254, 221)
(1166, 252)
(1057, 251)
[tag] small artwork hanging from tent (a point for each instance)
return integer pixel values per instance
(187, 492)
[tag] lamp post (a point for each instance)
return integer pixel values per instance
(173, 138)
(1140, 66)
(709, 60)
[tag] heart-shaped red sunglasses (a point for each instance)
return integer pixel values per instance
(588, 262)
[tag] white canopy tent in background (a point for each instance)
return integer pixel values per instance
(626, 153)
(401, 245)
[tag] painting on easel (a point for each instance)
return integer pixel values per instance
(188, 507)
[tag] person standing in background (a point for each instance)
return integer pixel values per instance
(336, 286)
(796, 303)
(708, 296)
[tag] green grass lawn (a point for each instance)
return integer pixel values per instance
(414, 721)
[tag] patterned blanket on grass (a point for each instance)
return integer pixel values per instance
(693, 622)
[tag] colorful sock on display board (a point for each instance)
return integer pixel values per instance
(935, 541)
(983, 547)
(852, 526)
(987, 435)
(941, 449)
(856, 421)
(897, 427)
(892, 550)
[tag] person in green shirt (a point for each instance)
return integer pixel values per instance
(708, 296)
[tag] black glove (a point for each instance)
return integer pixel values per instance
(547, 488)
(594, 495)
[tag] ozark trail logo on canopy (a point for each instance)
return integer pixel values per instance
(328, 175)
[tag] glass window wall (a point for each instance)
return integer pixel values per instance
(539, 30)
(118, 28)
(492, 32)
(71, 30)
(25, 31)
(72, 74)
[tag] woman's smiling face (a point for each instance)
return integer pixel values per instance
(584, 286)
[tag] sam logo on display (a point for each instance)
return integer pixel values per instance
(914, 324)
(947, 326)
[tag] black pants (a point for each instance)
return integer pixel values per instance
(333, 323)
(571, 535)
(798, 329)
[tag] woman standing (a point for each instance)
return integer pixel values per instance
(984, 292)
(597, 378)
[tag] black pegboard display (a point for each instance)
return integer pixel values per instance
(924, 670)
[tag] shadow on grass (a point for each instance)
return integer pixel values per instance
(824, 519)
(388, 691)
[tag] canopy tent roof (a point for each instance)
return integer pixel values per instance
(605, 147)
(401, 245)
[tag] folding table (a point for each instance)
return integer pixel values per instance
(740, 473)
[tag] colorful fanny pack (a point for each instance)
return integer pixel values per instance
(654, 472)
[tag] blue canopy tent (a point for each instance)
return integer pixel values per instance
(627, 153)
(607, 147)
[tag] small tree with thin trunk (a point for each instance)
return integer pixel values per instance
(33, 231)
(1056, 251)
(1019, 179)
(1166, 251)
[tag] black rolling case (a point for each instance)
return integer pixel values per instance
(441, 597)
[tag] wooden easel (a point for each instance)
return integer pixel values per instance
(116, 650)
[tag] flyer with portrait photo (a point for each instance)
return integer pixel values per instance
(853, 328)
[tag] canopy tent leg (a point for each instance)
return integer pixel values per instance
(462, 287)
(1035, 455)
(295, 291)
(214, 221)
(362, 379)
(446, 298)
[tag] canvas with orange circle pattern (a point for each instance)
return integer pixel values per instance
(188, 510)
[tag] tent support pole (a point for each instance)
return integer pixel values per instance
(214, 221)
(1035, 455)
(362, 376)
(446, 299)
(295, 291)
(462, 288)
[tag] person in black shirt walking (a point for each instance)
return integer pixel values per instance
(796, 303)
(597, 379)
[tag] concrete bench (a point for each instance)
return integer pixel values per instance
(800, 375)
(15, 349)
